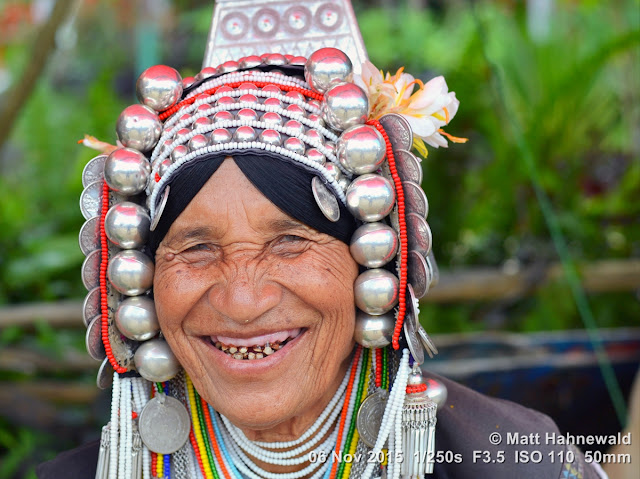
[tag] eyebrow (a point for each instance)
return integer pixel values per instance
(287, 224)
(198, 232)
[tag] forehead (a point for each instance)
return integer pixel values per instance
(229, 201)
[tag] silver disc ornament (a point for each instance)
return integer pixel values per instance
(91, 305)
(398, 130)
(90, 271)
(419, 234)
(415, 199)
(419, 273)
(326, 200)
(89, 237)
(91, 199)
(93, 339)
(433, 267)
(408, 166)
(104, 379)
(369, 418)
(164, 424)
(426, 341)
(93, 170)
(411, 329)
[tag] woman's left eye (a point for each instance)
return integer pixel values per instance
(289, 244)
(198, 247)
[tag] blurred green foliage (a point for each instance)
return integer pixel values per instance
(574, 95)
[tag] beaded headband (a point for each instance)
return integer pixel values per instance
(310, 112)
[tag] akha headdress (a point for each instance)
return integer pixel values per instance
(353, 131)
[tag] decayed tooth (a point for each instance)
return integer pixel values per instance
(275, 346)
(252, 355)
(257, 349)
(268, 350)
(237, 356)
(259, 355)
(243, 349)
(224, 347)
(218, 344)
(233, 350)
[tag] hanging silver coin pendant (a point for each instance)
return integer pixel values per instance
(419, 234)
(399, 131)
(90, 200)
(426, 342)
(89, 237)
(410, 330)
(419, 273)
(91, 305)
(91, 269)
(160, 208)
(105, 375)
(326, 201)
(408, 166)
(433, 267)
(93, 170)
(370, 415)
(93, 339)
(164, 424)
(415, 199)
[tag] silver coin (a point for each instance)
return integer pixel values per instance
(93, 339)
(426, 341)
(326, 201)
(91, 269)
(411, 335)
(433, 267)
(91, 306)
(164, 424)
(93, 170)
(419, 273)
(412, 304)
(398, 130)
(89, 237)
(408, 166)
(369, 416)
(91, 200)
(418, 233)
(160, 208)
(105, 375)
(415, 199)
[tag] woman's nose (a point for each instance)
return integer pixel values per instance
(244, 294)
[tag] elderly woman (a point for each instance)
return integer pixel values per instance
(290, 247)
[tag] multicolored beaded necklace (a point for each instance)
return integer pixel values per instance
(219, 457)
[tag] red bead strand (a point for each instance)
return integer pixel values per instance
(104, 299)
(345, 409)
(402, 296)
(418, 388)
(308, 93)
(378, 368)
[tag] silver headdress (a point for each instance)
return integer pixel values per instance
(274, 81)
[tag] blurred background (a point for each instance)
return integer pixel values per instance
(536, 220)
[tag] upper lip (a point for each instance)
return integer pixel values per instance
(257, 338)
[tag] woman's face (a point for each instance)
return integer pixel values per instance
(234, 270)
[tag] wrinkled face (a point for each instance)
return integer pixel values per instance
(235, 272)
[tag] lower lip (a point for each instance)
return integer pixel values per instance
(252, 366)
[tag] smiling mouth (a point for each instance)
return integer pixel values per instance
(257, 347)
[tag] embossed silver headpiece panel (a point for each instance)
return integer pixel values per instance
(253, 27)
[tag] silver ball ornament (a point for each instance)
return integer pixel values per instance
(333, 170)
(272, 118)
(271, 137)
(415, 377)
(376, 291)
(219, 136)
(295, 127)
(374, 244)
(361, 149)
(155, 361)
(295, 144)
(197, 142)
(437, 391)
(370, 197)
(251, 61)
(247, 114)
(245, 133)
(136, 318)
(127, 225)
(374, 331)
(228, 67)
(139, 127)
(316, 156)
(327, 66)
(159, 87)
(131, 272)
(127, 171)
(345, 105)
(179, 152)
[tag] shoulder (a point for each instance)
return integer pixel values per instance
(78, 463)
(479, 436)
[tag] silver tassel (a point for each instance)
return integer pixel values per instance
(102, 471)
(136, 454)
(418, 431)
